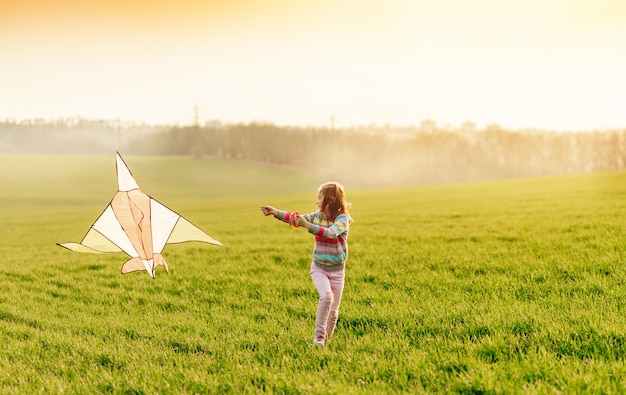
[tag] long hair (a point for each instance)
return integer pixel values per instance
(334, 200)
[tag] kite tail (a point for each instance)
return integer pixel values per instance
(133, 265)
(160, 261)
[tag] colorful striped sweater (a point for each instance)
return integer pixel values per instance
(331, 239)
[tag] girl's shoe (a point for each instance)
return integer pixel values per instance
(319, 341)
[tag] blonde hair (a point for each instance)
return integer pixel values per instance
(334, 200)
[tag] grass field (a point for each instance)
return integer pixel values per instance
(511, 286)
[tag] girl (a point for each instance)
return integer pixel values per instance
(330, 226)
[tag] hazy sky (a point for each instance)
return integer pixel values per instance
(519, 63)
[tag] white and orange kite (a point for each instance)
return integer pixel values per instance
(138, 225)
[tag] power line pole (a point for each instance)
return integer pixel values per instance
(119, 135)
(195, 134)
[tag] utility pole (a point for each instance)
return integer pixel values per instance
(195, 138)
(119, 135)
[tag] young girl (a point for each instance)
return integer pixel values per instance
(330, 226)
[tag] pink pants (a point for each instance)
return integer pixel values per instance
(330, 287)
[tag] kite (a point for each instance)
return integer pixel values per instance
(139, 226)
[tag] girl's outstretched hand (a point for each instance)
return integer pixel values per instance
(268, 210)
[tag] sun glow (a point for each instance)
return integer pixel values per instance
(545, 64)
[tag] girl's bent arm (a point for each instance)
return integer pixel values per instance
(333, 231)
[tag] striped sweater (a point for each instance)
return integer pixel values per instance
(331, 239)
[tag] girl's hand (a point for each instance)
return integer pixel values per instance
(302, 222)
(268, 210)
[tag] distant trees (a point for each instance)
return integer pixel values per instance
(361, 155)
(413, 156)
(70, 135)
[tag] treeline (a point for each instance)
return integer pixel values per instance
(411, 156)
(70, 135)
(364, 155)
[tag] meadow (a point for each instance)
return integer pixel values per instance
(507, 286)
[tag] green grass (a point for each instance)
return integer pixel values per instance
(512, 286)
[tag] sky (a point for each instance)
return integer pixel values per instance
(548, 64)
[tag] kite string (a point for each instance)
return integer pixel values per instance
(293, 217)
